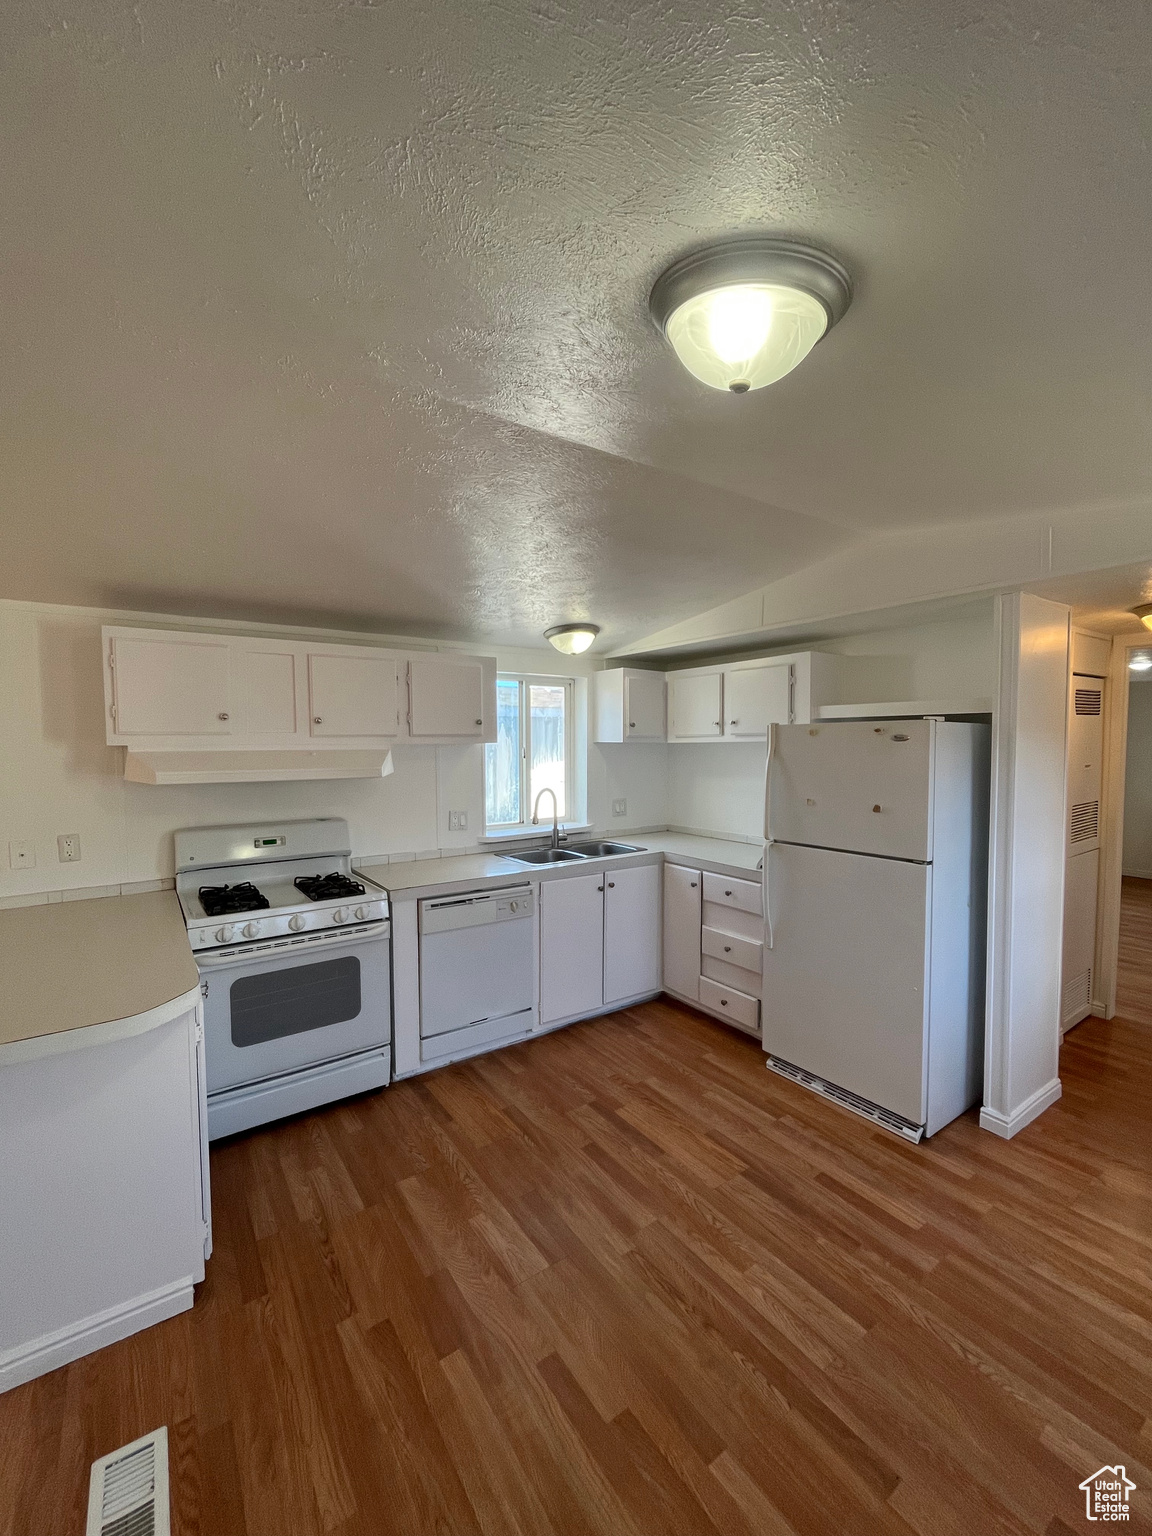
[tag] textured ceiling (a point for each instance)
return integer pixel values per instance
(337, 311)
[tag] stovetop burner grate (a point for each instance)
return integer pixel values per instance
(220, 899)
(327, 887)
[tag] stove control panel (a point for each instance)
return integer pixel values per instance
(211, 933)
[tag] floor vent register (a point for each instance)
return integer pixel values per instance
(874, 1112)
(128, 1490)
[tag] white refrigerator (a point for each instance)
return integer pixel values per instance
(875, 876)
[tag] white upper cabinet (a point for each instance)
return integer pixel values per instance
(266, 679)
(164, 683)
(446, 697)
(177, 691)
(627, 705)
(695, 706)
(754, 698)
(353, 695)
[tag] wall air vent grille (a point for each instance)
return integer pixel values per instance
(874, 1112)
(128, 1490)
(1085, 826)
(1088, 701)
(1077, 995)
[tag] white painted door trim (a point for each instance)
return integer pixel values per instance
(1112, 818)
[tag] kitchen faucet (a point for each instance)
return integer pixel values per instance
(548, 790)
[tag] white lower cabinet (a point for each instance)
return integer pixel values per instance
(682, 931)
(714, 943)
(571, 947)
(631, 933)
(599, 941)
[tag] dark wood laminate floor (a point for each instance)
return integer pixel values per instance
(1134, 960)
(624, 1280)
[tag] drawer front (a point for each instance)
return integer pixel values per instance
(744, 894)
(748, 982)
(742, 1010)
(736, 951)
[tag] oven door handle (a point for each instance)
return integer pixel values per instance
(273, 949)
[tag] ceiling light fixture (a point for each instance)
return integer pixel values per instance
(572, 638)
(743, 314)
(1144, 613)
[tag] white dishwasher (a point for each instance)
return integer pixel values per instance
(477, 970)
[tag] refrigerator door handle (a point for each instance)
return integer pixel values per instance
(768, 779)
(769, 936)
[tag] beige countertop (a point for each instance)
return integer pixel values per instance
(443, 876)
(75, 964)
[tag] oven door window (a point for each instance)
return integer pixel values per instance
(276, 1003)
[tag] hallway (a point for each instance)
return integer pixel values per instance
(1134, 962)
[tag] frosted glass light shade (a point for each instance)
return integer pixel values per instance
(745, 335)
(572, 639)
(1144, 614)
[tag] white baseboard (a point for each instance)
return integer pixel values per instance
(52, 1350)
(1007, 1125)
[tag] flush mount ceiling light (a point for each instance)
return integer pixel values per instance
(572, 638)
(1144, 614)
(743, 314)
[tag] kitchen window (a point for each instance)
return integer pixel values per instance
(532, 751)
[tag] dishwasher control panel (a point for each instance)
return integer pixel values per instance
(440, 914)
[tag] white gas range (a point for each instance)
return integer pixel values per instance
(293, 954)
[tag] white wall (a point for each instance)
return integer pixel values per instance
(1026, 864)
(717, 787)
(57, 775)
(1138, 781)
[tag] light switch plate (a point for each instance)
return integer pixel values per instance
(619, 807)
(22, 855)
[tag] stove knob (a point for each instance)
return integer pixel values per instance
(224, 935)
(296, 923)
(360, 914)
(250, 930)
(340, 915)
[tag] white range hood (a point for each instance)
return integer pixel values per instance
(255, 767)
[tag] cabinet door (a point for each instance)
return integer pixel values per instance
(171, 685)
(265, 676)
(351, 695)
(682, 931)
(695, 707)
(571, 947)
(644, 706)
(631, 932)
(446, 697)
(755, 698)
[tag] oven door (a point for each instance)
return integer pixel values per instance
(279, 1007)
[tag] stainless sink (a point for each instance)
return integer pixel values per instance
(603, 850)
(544, 856)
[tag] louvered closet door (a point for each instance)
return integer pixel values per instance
(1085, 754)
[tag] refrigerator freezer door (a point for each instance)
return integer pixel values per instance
(859, 785)
(844, 983)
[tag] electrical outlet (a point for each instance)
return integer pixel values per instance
(619, 807)
(68, 846)
(457, 821)
(22, 855)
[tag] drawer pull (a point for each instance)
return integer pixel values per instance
(727, 893)
(727, 949)
(723, 1002)
(222, 716)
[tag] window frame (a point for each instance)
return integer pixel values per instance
(524, 681)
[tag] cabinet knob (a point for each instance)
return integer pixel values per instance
(727, 949)
(317, 720)
(631, 725)
(692, 883)
(599, 887)
(715, 722)
(875, 807)
(733, 722)
(480, 722)
(223, 715)
(727, 893)
(723, 1002)
(611, 885)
